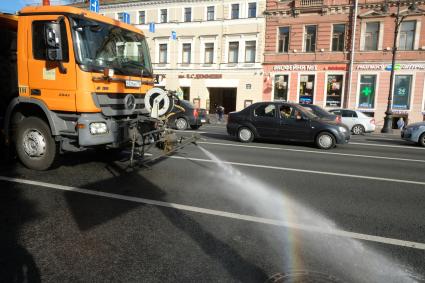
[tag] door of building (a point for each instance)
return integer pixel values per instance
(225, 97)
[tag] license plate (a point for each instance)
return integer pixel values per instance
(130, 83)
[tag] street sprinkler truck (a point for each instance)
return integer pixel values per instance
(71, 80)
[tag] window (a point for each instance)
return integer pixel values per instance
(348, 114)
(281, 87)
(235, 11)
(283, 44)
(306, 89)
(187, 14)
(371, 36)
(210, 13)
(233, 52)
(310, 38)
(187, 50)
(250, 47)
(163, 17)
(334, 90)
(252, 10)
(402, 90)
(367, 91)
(338, 37)
(39, 45)
(163, 53)
(142, 17)
(209, 53)
(407, 35)
(121, 17)
(265, 110)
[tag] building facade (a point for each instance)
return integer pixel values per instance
(208, 51)
(328, 53)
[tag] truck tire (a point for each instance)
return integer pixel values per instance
(34, 144)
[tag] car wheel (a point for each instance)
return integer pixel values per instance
(194, 127)
(181, 124)
(421, 140)
(358, 130)
(325, 140)
(245, 134)
(35, 145)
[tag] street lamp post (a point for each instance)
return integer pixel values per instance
(388, 120)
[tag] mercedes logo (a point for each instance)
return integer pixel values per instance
(130, 102)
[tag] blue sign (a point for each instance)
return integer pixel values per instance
(126, 18)
(151, 27)
(173, 35)
(94, 6)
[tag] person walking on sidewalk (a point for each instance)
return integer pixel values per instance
(220, 112)
(400, 123)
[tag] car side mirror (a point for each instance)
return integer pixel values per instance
(53, 38)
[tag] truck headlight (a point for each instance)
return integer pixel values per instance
(342, 129)
(98, 128)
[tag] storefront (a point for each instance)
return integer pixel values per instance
(372, 90)
(310, 84)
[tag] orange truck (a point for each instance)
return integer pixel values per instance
(70, 80)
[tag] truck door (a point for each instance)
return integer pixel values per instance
(55, 86)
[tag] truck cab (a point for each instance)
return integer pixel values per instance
(73, 79)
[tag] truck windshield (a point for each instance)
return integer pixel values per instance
(99, 45)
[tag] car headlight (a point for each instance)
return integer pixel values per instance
(98, 128)
(342, 129)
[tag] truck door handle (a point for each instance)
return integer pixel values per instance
(35, 92)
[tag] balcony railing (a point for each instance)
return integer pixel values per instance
(308, 3)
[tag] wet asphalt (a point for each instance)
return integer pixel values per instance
(373, 186)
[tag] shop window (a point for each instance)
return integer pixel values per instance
(164, 16)
(306, 93)
(163, 53)
(310, 38)
(402, 92)
(371, 36)
(209, 53)
(252, 10)
(188, 14)
(265, 110)
(334, 90)
(281, 87)
(283, 44)
(142, 17)
(233, 52)
(250, 50)
(338, 37)
(407, 35)
(187, 50)
(367, 91)
(210, 13)
(235, 11)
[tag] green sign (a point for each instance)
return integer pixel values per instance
(366, 91)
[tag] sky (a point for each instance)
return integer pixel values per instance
(12, 6)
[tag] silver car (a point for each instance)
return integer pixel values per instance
(414, 133)
(358, 122)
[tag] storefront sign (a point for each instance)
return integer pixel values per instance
(295, 68)
(381, 67)
(201, 76)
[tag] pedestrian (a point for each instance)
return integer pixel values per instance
(220, 113)
(400, 123)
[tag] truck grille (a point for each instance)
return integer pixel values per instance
(113, 104)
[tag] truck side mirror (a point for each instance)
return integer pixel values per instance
(53, 37)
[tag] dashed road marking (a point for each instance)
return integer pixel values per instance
(255, 219)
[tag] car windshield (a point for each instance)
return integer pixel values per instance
(99, 45)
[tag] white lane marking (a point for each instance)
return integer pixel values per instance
(308, 228)
(313, 151)
(188, 131)
(413, 146)
(304, 171)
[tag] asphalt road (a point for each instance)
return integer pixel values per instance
(354, 214)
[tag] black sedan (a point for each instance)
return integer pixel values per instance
(185, 114)
(285, 121)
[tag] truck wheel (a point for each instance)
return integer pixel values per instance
(421, 140)
(325, 140)
(35, 145)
